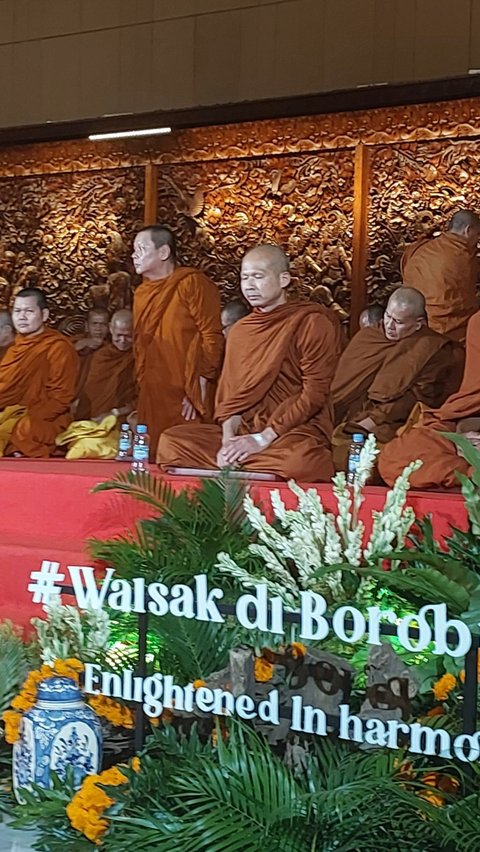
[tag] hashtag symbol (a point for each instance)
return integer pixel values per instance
(46, 580)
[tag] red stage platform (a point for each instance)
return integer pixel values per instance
(47, 511)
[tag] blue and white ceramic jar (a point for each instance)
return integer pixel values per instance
(59, 731)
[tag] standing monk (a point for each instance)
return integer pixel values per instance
(38, 376)
(384, 372)
(445, 270)
(422, 438)
(7, 334)
(178, 337)
(109, 387)
(273, 402)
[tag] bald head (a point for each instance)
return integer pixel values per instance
(405, 313)
(466, 224)
(264, 277)
(371, 317)
(121, 330)
(97, 324)
(231, 313)
(7, 333)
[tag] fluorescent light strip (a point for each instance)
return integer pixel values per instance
(127, 134)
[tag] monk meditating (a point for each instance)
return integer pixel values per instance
(178, 340)
(273, 413)
(422, 438)
(7, 333)
(372, 316)
(38, 376)
(384, 372)
(109, 387)
(231, 313)
(445, 270)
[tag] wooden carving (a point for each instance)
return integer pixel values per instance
(70, 235)
(303, 203)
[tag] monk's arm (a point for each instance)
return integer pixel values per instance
(203, 301)
(60, 386)
(316, 356)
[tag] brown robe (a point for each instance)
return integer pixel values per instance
(110, 383)
(445, 270)
(383, 379)
(277, 373)
(178, 338)
(421, 439)
(39, 372)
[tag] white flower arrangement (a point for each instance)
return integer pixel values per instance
(69, 632)
(309, 538)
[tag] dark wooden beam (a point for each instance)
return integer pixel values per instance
(363, 97)
(360, 234)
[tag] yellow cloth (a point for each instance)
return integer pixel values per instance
(89, 440)
(9, 417)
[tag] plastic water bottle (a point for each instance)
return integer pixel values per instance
(125, 442)
(141, 449)
(356, 447)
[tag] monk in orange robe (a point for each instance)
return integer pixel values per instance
(178, 342)
(422, 439)
(38, 377)
(273, 412)
(110, 387)
(96, 334)
(233, 311)
(383, 373)
(372, 316)
(7, 333)
(445, 270)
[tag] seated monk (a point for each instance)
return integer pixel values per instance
(231, 313)
(178, 339)
(422, 439)
(109, 387)
(38, 376)
(372, 316)
(383, 373)
(273, 412)
(445, 270)
(96, 328)
(7, 334)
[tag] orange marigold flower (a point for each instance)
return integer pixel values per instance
(136, 764)
(263, 670)
(298, 649)
(12, 721)
(86, 809)
(432, 797)
(198, 683)
(443, 686)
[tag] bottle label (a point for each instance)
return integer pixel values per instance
(140, 453)
(124, 443)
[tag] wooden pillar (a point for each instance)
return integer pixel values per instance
(151, 194)
(360, 234)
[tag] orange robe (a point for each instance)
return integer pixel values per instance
(383, 379)
(39, 372)
(110, 383)
(277, 373)
(422, 440)
(445, 270)
(178, 338)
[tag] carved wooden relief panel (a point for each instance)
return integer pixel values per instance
(303, 203)
(414, 190)
(70, 235)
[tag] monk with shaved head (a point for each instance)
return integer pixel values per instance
(385, 371)
(231, 313)
(445, 270)
(273, 411)
(372, 316)
(7, 333)
(178, 336)
(109, 387)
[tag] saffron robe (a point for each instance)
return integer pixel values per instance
(383, 379)
(39, 373)
(277, 373)
(421, 439)
(445, 270)
(177, 338)
(110, 383)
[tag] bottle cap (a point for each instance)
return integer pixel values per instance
(358, 437)
(141, 429)
(124, 427)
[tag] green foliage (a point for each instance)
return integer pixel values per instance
(240, 797)
(193, 649)
(44, 810)
(470, 485)
(13, 664)
(190, 528)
